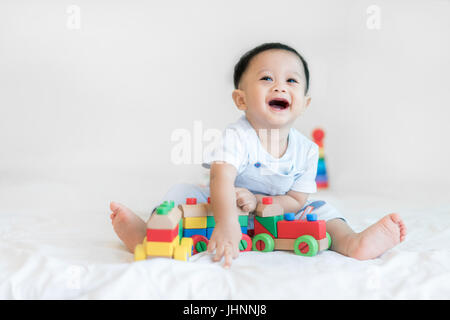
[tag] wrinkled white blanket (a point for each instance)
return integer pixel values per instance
(60, 253)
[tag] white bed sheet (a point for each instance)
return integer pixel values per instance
(67, 253)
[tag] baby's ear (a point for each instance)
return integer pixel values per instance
(239, 99)
(307, 101)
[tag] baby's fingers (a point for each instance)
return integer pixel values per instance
(235, 252)
(219, 253)
(241, 201)
(228, 256)
(211, 246)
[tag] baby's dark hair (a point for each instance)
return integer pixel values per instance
(244, 61)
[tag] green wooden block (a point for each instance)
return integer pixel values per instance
(270, 223)
(210, 222)
(180, 230)
(243, 221)
(162, 210)
(170, 204)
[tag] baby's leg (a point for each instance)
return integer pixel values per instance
(371, 242)
(129, 227)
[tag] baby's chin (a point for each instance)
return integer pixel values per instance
(272, 120)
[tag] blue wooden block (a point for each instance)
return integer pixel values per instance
(321, 169)
(244, 230)
(311, 217)
(289, 216)
(191, 232)
(209, 232)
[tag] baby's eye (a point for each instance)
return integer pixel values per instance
(266, 78)
(289, 80)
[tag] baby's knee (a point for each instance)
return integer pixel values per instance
(180, 191)
(181, 188)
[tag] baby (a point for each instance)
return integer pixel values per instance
(263, 155)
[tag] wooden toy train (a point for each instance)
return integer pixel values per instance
(179, 232)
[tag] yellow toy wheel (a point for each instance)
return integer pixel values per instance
(181, 253)
(139, 253)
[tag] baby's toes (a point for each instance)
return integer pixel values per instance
(403, 232)
(400, 224)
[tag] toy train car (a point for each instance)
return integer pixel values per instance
(277, 231)
(179, 232)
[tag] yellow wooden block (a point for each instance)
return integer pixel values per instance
(161, 249)
(321, 153)
(181, 253)
(194, 223)
(139, 253)
(187, 242)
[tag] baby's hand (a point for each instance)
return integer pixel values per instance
(225, 239)
(245, 200)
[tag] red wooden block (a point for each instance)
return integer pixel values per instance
(297, 228)
(259, 228)
(191, 200)
(318, 134)
(267, 200)
(162, 235)
(322, 184)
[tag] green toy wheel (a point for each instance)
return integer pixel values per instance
(263, 242)
(200, 243)
(201, 246)
(306, 246)
(329, 240)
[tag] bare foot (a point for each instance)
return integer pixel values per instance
(378, 238)
(130, 228)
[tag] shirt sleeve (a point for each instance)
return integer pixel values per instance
(230, 148)
(306, 181)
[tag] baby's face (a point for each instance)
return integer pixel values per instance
(272, 90)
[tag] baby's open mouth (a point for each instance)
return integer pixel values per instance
(279, 103)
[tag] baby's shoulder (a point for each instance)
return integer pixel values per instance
(241, 125)
(302, 142)
(240, 130)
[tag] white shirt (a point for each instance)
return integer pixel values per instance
(260, 172)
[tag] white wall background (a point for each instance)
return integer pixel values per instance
(94, 108)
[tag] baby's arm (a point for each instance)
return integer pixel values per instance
(227, 232)
(292, 201)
